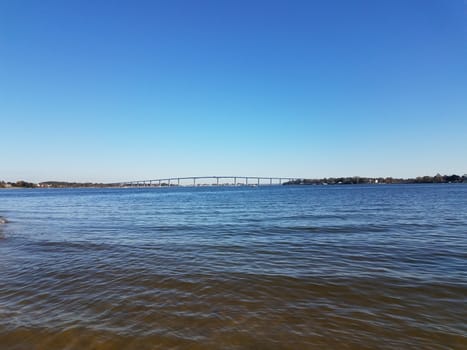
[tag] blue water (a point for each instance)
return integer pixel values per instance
(279, 267)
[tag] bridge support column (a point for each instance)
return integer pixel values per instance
(178, 182)
(194, 181)
(235, 181)
(258, 181)
(217, 181)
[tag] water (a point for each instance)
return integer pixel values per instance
(319, 267)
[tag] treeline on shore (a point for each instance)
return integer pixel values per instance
(354, 180)
(51, 184)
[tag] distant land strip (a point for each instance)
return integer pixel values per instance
(354, 180)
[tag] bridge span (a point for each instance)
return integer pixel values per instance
(208, 181)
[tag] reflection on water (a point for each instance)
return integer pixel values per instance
(358, 267)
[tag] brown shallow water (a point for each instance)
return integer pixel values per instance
(375, 267)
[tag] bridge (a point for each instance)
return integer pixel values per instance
(207, 181)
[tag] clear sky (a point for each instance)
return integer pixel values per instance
(128, 90)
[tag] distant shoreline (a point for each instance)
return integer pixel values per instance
(333, 181)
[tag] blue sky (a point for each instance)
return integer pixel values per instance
(127, 90)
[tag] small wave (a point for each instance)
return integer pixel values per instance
(336, 229)
(71, 246)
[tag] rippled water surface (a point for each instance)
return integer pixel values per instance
(318, 267)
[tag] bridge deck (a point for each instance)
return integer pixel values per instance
(175, 181)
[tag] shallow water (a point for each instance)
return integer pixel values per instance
(318, 267)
